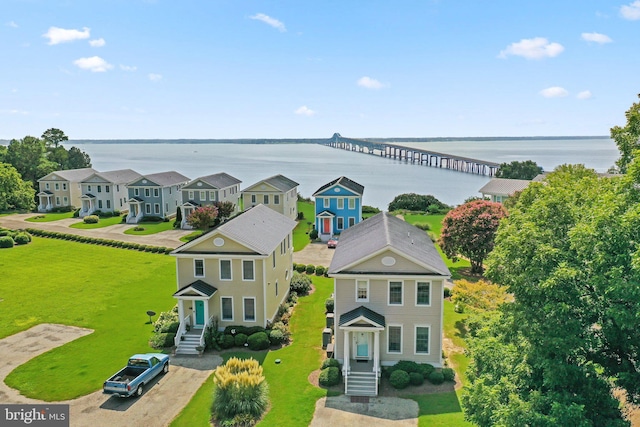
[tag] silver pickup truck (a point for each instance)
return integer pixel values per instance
(140, 369)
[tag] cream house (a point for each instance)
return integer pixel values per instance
(61, 189)
(237, 273)
(106, 191)
(388, 291)
(277, 192)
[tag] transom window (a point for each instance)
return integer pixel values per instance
(395, 293)
(423, 293)
(422, 340)
(394, 339)
(198, 267)
(362, 290)
(227, 308)
(225, 269)
(248, 270)
(249, 309)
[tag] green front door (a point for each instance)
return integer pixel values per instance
(199, 313)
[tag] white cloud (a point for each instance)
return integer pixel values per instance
(596, 38)
(585, 94)
(535, 48)
(155, 77)
(128, 67)
(12, 24)
(631, 11)
(369, 83)
(305, 111)
(94, 64)
(60, 35)
(554, 92)
(21, 112)
(97, 42)
(269, 21)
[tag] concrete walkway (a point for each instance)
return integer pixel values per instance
(379, 412)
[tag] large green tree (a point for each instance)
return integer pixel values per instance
(469, 230)
(15, 193)
(519, 170)
(569, 254)
(627, 137)
(53, 137)
(77, 159)
(27, 155)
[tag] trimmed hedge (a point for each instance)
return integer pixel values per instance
(329, 363)
(6, 242)
(416, 378)
(329, 305)
(300, 268)
(234, 330)
(436, 377)
(301, 284)
(399, 379)
(310, 269)
(425, 369)
(22, 238)
(320, 270)
(240, 340)
(329, 377)
(259, 341)
(449, 374)
(227, 341)
(161, 340)
(91, 219)
(276, 337)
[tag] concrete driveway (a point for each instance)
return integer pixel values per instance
(314, 253)
(161, 402)
(379, 412)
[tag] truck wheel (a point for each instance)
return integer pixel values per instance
(165, 368)
(139, 391)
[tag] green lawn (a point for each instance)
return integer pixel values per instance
(105, 289)
(48, 217)
(150, 228)
(189, 237)
(301, 232)
(104, 222)
(440, 410)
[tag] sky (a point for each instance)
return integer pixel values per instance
(136, 69)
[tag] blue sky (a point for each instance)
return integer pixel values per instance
(123, 69)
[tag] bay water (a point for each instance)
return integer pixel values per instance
(313, 165)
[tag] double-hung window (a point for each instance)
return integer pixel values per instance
(249, 305)
(423, 293)
(340, 203)
(422, 339)
(276, 199)
(156, 192)
(227, 308)
(147, 192)
(362, 290)
(395, 292)
(225, 269)
(352, 203)
(198, 267)
(266, 199)
(394, 339)
(248, 273)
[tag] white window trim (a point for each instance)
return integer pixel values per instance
(204, 272)
(222, 310)
(338, 225)
(349, 221)
(253, 198)
(212, 195)
(399, 325)
(428, 282)
(156, 208)
(191, 195)
(415, 340)
(230, 270)
(352, 203)
(136, 191)
(147, 192)
(276, 199)
(203, 196)
(265, 199)
(156, 192)
(253, 263)
(362, 299)
(389, 293)
(255, 316)
(326, 203)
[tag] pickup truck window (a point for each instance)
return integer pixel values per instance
(154, 361)
(139, 362)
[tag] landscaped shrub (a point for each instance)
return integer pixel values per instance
(329, 376)
(91, 219)
(259, 341)
(399, 379)
(328, 363)
(6, 242)
(436, 377)
(227, 341)
(301, 284)
(313, 234)
(407, 366)
(161, 340)
(292, 299)
(170, 327)
(280, 326)
(301, 268)
(138, 228)
(329, 305)
(449, 374)
(240, 340)
(149, 218)
(165, 319)
(370, 209)
(22, 238)
(320, 270)
(447, 292)
(310, 269)
(425, 369)
(239, 329)
(416, 378)
(241, 391)
(276, 337)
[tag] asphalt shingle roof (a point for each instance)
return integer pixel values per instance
(346, 183)
(503, 186)
(165, 179)
(121, 176)
(219, 180)
(280, 182)
(386, 231)
(361, 311)
(72, 175)
(199, 286)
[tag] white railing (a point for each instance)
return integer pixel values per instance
(182, 329)
(206, 325)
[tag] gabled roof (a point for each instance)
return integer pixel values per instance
(326, 213)
(279, 182)
(121, 176)
(198, 287)
(45, 193)
(258, 228)
(345, 182)
(384, 231)
(71, 175)
(135, 199)
(217, 180)
(364, 313)
(165, 179)
(504, 187)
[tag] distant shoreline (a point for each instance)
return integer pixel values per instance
(317, 140)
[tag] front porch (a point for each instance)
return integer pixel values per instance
(46, 201)
(194, 315)
(88, 205)
(324, 225)
(135, 210)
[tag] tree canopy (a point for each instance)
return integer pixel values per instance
(519, 170)
(627, 137)
(203, 217)
(15, 193)
(469, 230)
(569, 254)
(417, 202)
(53, 137)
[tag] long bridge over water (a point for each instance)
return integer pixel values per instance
(415, 155)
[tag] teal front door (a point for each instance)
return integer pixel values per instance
(362, 345)
(199, 313)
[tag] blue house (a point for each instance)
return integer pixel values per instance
(156, 195)
(338, 206)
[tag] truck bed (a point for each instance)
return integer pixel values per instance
(127, 375)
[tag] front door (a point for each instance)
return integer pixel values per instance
(199, 313)
(326, 225)
(362, 345)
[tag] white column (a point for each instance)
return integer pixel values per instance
(345, 367)
(206, 312)
(180, 309)
(376, 351)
